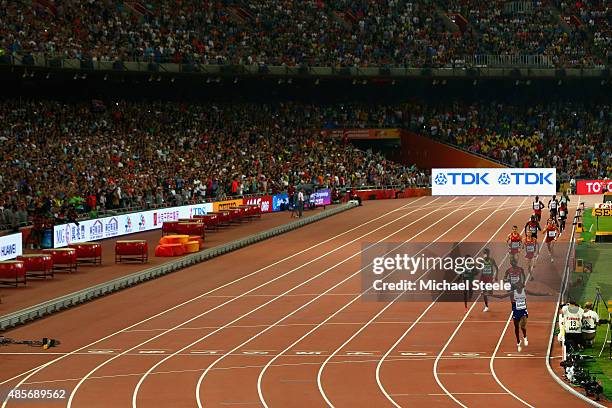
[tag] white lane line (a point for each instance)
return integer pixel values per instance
(197, 391)
(389, 304)
(35, 370)
(200, 380)
(501, 337)
(396, 322)
(78, 385)
(450, 339)
(137, 388)
(409, 329)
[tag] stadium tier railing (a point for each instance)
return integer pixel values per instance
(530, 61)
(540, 66)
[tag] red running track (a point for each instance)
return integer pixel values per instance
(282, 324)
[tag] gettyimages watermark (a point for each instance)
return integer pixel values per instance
(448, 271)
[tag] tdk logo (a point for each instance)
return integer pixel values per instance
(532, 178)
(504, 179)
(463, 178)
(489, 181)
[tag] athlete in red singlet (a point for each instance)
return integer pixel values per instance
(514, 274)
(531, 248)
(551, 233)
(533, 226)
(514, 242)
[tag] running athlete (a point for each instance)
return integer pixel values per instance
(553, 205)
(468, 277)
(562, 217)
(551, 234)
(514, 274)
(514, 242)
(518, 297)
(537, 206)
(488, 274)
(533, 226)
(564, 199)
(531, 248)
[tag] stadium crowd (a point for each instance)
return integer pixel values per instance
(60, 157)
(57, 158)
(572, 137)
(331, 33)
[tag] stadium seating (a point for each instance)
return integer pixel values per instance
(290, 33)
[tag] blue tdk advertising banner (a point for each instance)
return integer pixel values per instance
(493, 182)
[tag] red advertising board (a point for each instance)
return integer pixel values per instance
(365, 134)
(584, 187)
(264, 203)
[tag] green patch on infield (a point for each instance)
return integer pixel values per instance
(592, 224)
(596, 258)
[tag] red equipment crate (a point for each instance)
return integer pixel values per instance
(37, 265)
(131, 250)
(88, 252)
(64, 259)
(12, 273)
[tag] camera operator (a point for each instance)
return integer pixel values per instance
(590, 320)
(570, 325)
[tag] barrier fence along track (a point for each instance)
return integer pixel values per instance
(564, 284)
(84, 295)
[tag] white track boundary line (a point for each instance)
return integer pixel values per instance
(272, 300)
(501, 338)
(201, 379)
(450, 339)
(409, 329)
(78, 385)
(555, 377)
(35, 370)
(389, 304)
(259, 366)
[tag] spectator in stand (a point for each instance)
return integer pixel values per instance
(300, 202)
(337, 33)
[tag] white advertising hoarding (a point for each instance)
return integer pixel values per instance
(10, 246)
(493, 182)
(124, 224)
